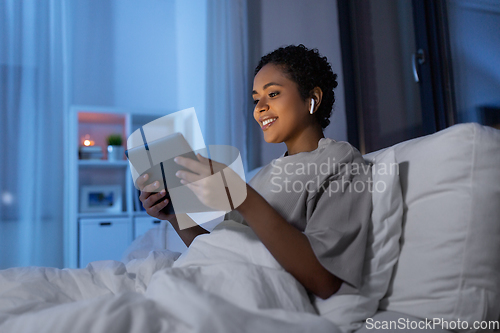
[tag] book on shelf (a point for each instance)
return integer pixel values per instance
(90, 152)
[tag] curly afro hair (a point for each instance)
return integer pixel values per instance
(308, 69)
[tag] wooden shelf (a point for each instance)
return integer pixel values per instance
(84, 237)
(102, 163)
(102, 215)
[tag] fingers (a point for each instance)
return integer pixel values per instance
(201, 169)
(152, 202)
(159, 206)
(141, 180)
(187, 177)
(204, 167)
(143, 196)
(151, 205)
(152, 187)
(217, 167)
(205, 161)
(214, 165)
(194, 166)
(147, 190)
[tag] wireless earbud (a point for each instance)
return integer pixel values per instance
(312, 106)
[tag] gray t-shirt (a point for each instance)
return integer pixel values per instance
(326, 194)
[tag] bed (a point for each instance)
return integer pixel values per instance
(432, 252)
(226, 282)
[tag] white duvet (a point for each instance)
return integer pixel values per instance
(226, 281)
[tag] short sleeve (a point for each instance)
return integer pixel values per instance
(337, 220)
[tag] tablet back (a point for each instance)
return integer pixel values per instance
(156, 158)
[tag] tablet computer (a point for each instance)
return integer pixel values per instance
(156, 158)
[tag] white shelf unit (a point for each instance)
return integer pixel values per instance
(91, 236)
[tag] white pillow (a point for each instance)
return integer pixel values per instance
(449, 266)
(349, 311)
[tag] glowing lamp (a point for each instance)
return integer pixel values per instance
(87, 142)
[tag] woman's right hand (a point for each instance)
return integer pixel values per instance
(148, 199)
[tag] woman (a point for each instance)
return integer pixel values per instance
(311, 206)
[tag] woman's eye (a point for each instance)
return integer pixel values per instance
(273, 94)
(255, 101)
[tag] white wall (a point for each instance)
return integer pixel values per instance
(139, 54)
(312, 23)
(145, 57)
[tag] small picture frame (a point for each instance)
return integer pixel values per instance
(101, 198)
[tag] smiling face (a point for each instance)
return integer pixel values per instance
(281, 112)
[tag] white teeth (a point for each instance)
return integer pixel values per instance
(267, 121)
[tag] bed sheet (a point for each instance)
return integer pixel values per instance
(226, 281)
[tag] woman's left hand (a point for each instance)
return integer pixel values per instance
(215, 184)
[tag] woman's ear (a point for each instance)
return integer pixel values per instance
(316, 95)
